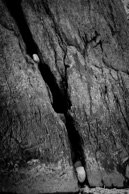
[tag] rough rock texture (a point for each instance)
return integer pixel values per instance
(34, 148)
(74, 105)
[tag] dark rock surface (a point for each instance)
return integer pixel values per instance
(73, 105)
(34, 148)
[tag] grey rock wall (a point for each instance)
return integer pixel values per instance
(73, 105)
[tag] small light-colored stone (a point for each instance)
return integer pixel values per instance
(81, 174)
(36, 58)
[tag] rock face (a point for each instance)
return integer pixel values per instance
(73, 105)
(34, 147)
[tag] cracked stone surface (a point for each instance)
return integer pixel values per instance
(73, 105)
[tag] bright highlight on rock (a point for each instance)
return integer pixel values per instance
(36, 58)
(81, 174)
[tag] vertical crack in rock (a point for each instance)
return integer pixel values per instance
(102, 109)
(76, 142)
(58, 97)
(16, 12)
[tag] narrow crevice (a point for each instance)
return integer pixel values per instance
(60, 99)
(76, 143)
(75, 140)
(14, 7)
(59, 102)
(62, 104)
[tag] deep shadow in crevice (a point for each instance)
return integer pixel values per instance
(61, 102)
(16, 12)
(75, 140)
(76, 143)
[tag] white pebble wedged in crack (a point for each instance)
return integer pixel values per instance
(36, 58)
(81, 174)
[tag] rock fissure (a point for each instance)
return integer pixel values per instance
(18, 16)
(58, 97)
(73, 107)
